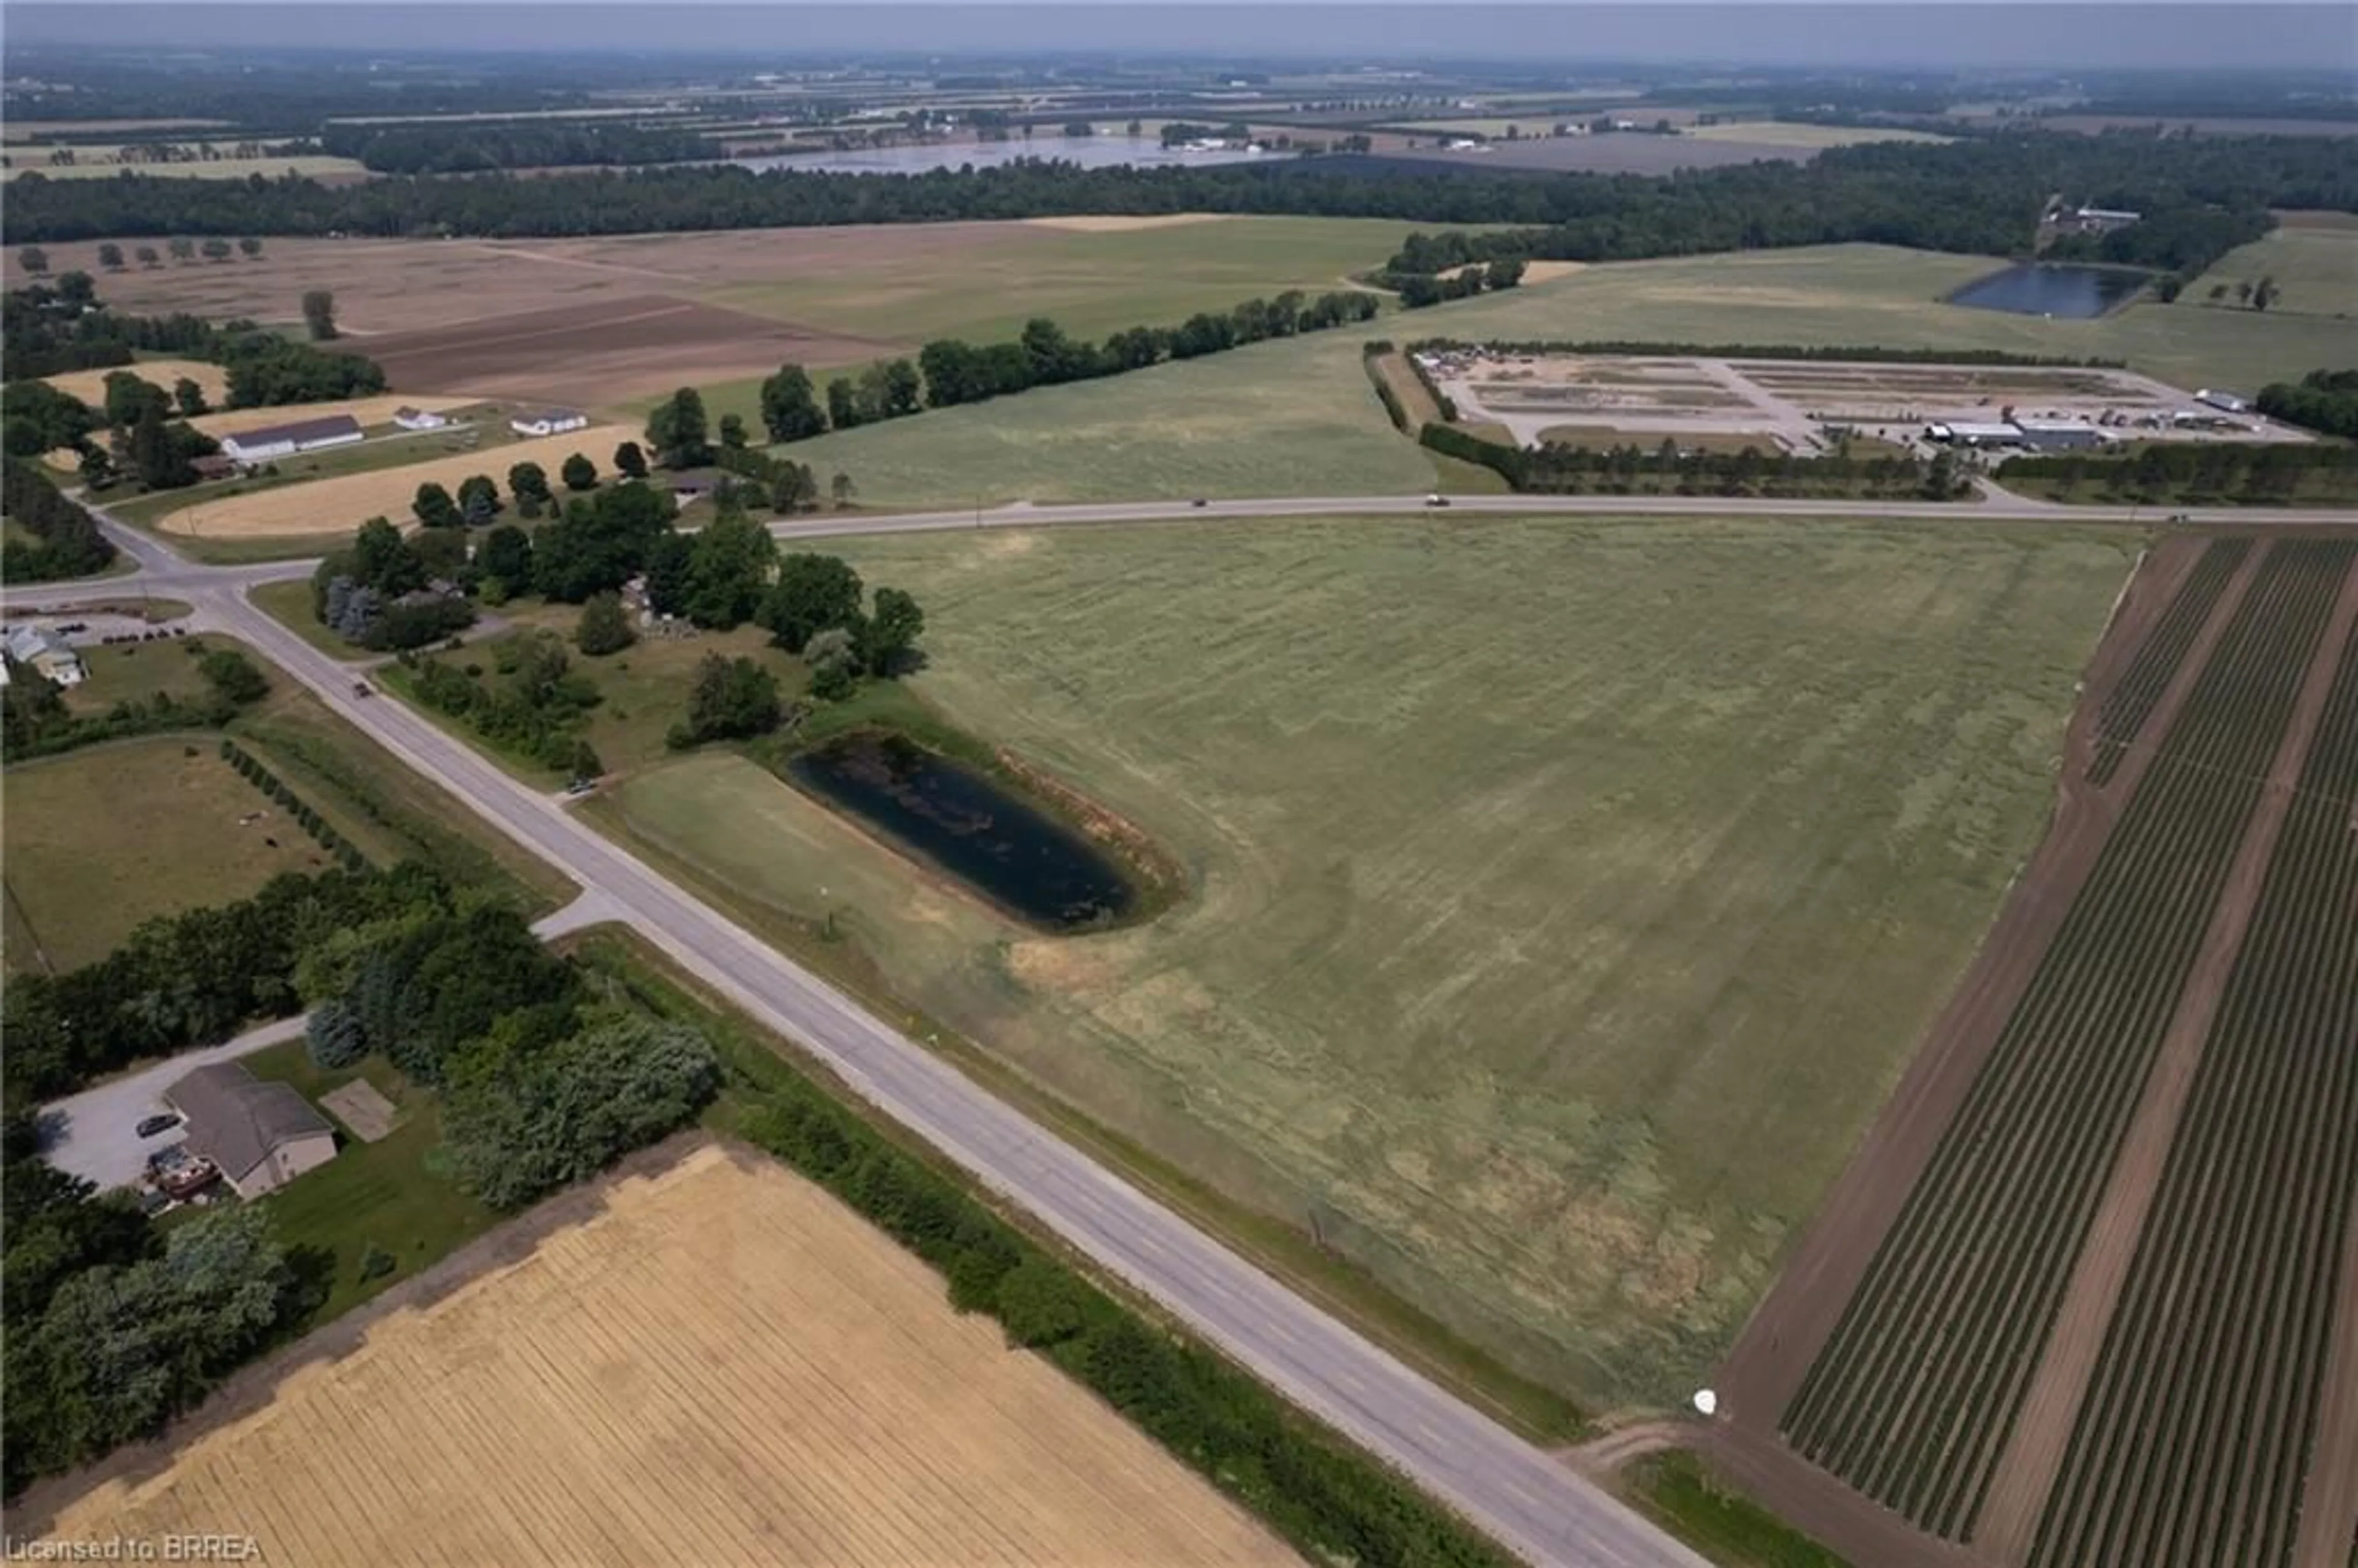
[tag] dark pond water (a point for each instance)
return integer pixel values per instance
(2078, 292)
(1012, 853)
(1089, 152)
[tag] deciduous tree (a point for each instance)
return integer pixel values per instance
(812, 593)
(605, 626)
(433, 508)
(629, 462)
(578, 472)
(319, 312)
(677, 432)
(789, 412)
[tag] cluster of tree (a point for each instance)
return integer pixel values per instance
(817, 597)
(1179, 132)
(47, 330)
(265, 369)
(956, 372)
(150, 439)
(64, 539)
(596, 545)
(2251, 473)
(1558, 468)
(250, 768)
(1418, 289)
(2325, 401)
(482, 145)
(187, 979)
(114, 1327)
(729, 699)
(36, 722)
(1980, 195)
(378, 593)
(1327, 1497)
(1867, 354)
(535, 709)
(539, 1087)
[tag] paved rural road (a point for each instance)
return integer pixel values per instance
(1521, 1497)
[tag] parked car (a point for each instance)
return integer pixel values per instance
(581, 786)
(163, 1122)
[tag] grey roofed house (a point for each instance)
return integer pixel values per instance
(301, 432)
(261, 1135)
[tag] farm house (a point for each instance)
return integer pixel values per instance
(549, 422)
(419, 419)
(272, 441)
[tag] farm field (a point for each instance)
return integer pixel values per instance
(341, 503)
(90, 385)
(2315, 265)
(2152, 1058)
(671, 1355)
(1297, 416)
(366, 412)
(1798, 133)
(77, 884)
(1525, 998)
(22, 160)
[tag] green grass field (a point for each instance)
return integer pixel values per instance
(2316, 265)
(100, 839)
(1680, 1492)
(134, 672)
(1564, 898)
(1298, 417)
(1092, 284)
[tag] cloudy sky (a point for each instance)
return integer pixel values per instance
(2031, 33)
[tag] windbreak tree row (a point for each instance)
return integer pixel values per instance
(1914, 1396)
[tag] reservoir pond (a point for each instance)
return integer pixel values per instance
(970, 825)
(2078, 293)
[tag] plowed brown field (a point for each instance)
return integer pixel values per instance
(723, 1366)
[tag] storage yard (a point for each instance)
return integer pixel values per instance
(1803, 405)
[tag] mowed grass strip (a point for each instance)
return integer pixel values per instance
(1564, 898)
(100, 839)
(715, 1363)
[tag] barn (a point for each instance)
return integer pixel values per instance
(269, 442)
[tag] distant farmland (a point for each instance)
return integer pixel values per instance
(2103, 1325)
(721, 1364)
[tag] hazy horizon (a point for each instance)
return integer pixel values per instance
(2061, 39)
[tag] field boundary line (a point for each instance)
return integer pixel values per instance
(1790, 1328)
(2033, 1454)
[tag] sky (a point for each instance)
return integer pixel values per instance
(1988, 33)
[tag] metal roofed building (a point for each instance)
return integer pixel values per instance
(270, 441)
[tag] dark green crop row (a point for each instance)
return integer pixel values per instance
(2131, 701)
(2194, 1443)
(1913, 1398)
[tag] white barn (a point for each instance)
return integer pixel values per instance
(549, 422)
(271, 441)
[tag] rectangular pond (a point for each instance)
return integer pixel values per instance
(1012, 853)
(2030, 288)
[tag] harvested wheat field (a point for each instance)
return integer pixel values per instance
(90, 385)
(722, 1365)
(365, 411)
(1117, 224)
(333, 505)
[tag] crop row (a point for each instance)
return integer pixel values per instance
(2196, 1437)
(2132, 700)
(1913, 1397)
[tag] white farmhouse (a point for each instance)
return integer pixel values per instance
(549, 422)
(419, 419)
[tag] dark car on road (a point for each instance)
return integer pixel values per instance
(164, 1122)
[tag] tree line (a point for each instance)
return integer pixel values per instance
(1873, 354)
(1982, 196)
(1555, 467)
(2243, 472)
(65, 539)
(252, 769)
(2325, 401)
(478, 146)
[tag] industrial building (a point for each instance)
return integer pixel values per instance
(2033, 435)
(2233, 403)
(273, 442)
